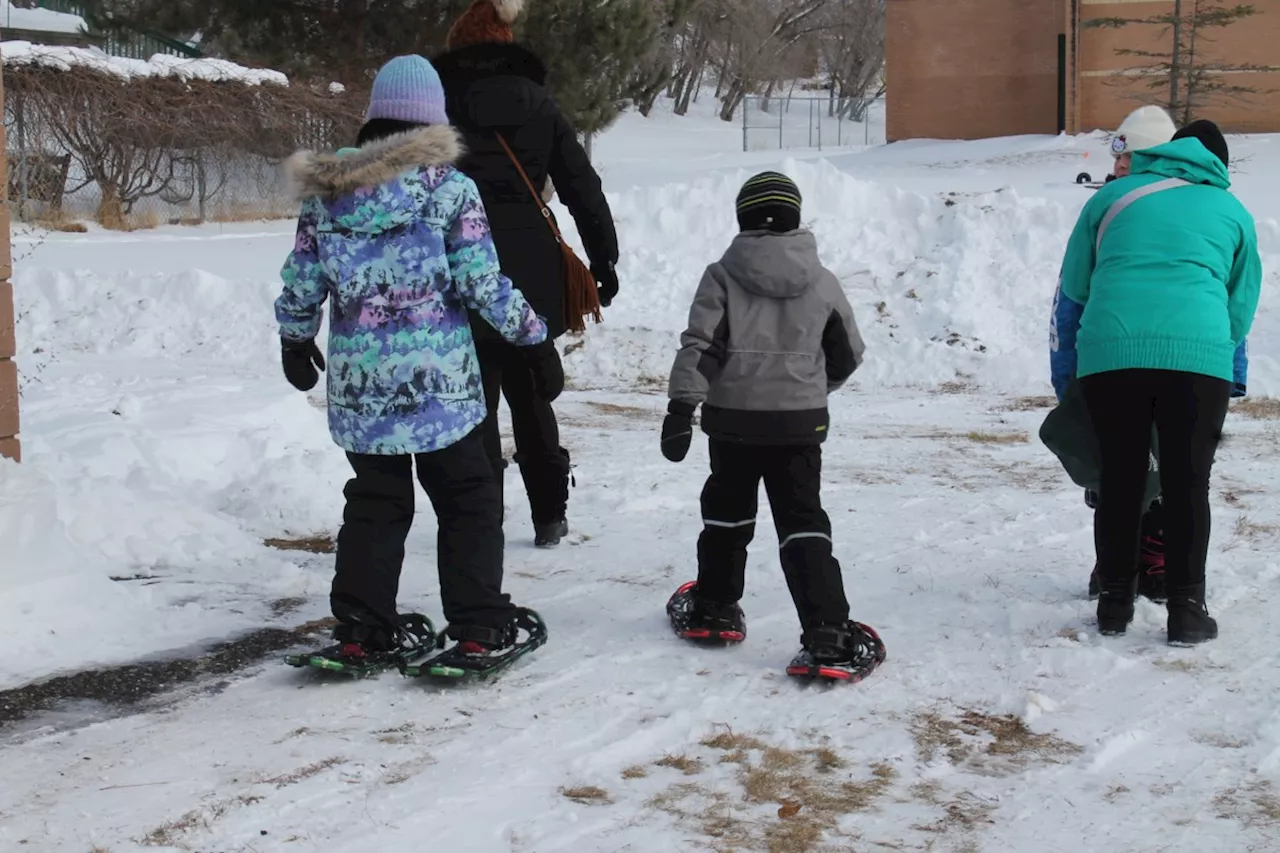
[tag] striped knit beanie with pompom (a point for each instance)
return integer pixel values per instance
(485, 22)
(769, 202)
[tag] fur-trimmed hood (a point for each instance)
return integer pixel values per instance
(329, 175)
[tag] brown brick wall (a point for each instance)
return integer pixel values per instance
(1107, 94)
(8, 345)
(968, 69)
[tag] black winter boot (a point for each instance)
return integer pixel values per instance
(1115, 606)
(546, 480)
(1189, 620)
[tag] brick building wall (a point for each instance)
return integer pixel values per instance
(8, 344)
(1108, 89)
(968, 69)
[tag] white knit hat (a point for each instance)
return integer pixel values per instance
(1145, 127)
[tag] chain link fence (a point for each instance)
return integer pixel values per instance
(788, 123)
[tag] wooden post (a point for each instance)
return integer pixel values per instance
(9, 445)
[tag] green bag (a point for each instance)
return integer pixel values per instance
(1068, 432)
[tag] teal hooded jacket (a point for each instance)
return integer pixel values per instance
(1175, 282)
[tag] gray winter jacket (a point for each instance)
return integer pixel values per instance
(770, 334)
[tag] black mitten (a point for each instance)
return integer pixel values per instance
(677, 431)
(301, 360)
(547, 370)
(606, 283)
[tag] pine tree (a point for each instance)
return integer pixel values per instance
(595, 50)
(592, 49)
(1190, 80)
(342, 40)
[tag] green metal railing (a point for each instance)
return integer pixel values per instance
(126, 39)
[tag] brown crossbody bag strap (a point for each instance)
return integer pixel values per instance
(581, 297)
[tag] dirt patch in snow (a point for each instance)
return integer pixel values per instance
(131, 685)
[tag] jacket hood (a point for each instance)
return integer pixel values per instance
(490, 60)
(331, 175)
(1187, 159)
(493, 85)
(780, 266)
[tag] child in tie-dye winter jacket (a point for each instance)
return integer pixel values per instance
(396, 239)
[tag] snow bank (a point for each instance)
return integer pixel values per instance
(946, 288)
(41, 20)
(53, 590)
(23, 53)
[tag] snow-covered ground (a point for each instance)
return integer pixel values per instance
(62, 58)
(163, 446)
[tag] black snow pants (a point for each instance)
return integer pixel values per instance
(380, 502)
(1188, 410)
(543, 463)
(793, 480)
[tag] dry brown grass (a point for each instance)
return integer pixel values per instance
(1254, 805)
(321, 544)
(619, 410)
(729, 741)
(113, 218)
(171, 834)
(587, 795)
(249, 213)
(790, 801)
(1219, 740)
(1029, 404)
(1258, 408)
(635, 772)
(303, 773)
(687, 765)
(398, 736)
(60, 222)
(987, 742)
(997, 437)
(1248, 530)
(956, 386)
(1115, 792)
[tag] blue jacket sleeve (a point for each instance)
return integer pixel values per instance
(1241, 369)
(299, 309)
(1064, 324)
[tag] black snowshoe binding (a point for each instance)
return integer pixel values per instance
(705, 621)
(363, 649)
(482, 652)
(848, 652)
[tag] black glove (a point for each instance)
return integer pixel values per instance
(677, 431)
(301, 358)
(606, 283)
(548, 372)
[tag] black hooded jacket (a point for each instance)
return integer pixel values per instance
(500, 88)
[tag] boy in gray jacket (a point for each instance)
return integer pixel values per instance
(770, 335)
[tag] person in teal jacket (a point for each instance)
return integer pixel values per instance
(1165, 263)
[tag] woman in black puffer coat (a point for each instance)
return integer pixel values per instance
(493, 85)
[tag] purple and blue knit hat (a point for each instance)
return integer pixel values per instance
(408, 89)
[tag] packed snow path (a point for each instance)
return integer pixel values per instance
(999, 722)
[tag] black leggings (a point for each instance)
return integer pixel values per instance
(1188, 410)
(544, 465)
